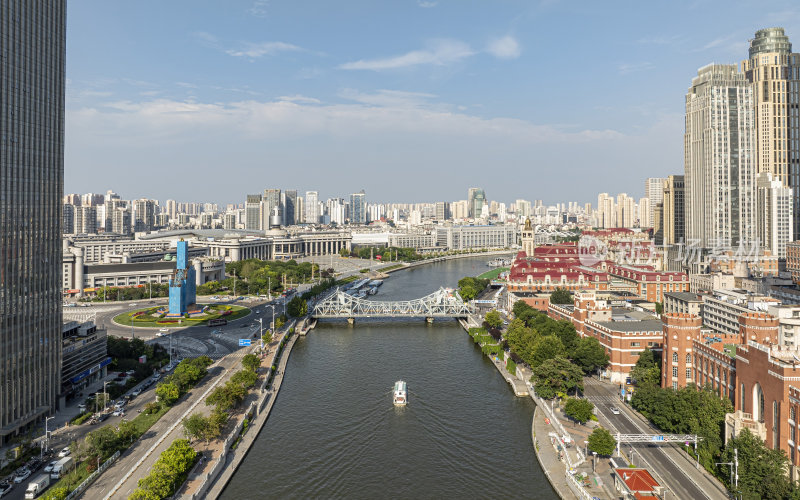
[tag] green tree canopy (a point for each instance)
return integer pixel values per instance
(557, 375)
(297, 307)
(589, 355)
(545, 348)
(469, 287)
(251, 362)
(580, 410)
(762, 471)
(493, 319)
(561, 296)
(168, 393)
(245, 378)
(602, 442)
(647, 371)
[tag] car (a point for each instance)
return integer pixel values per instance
(216, 332)
(82, 407)
(64, 453)
(5, 487)
(244, 325)
(614, 410)
(49, 467)
(102, 416)
(159, 334)
(118, 413)
(21, 475)
(163, 330)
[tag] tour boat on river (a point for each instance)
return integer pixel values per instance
(400, 393)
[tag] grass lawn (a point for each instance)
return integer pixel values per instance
(493, 274)
(390, 268)
(149, 321)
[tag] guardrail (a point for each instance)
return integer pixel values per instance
(577, 487)
(94, 475)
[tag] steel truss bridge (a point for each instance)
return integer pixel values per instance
(442, 303)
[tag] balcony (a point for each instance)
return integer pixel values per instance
(738, 421)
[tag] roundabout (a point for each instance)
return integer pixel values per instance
(156, 317)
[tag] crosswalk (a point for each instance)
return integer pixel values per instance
(603, 399)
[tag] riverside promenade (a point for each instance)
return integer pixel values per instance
(220, 472)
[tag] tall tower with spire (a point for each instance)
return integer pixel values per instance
(528, 238)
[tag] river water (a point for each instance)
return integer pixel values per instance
(334, 433)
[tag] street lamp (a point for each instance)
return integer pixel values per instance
(46, 436)
(260, 334)
(594, 461)
(586, 448)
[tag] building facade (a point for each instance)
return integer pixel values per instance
(32, 78)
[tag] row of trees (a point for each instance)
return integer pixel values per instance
(188, 373)
(224, 399)
(168, 473)
(469, 287)
(386, 254)
(297, 307)
(537, 338)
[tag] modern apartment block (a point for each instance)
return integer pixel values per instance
(654, 191)
(774, 72)
(312, 207)
(32, 78)
(252, 209)
(719, 162)
(774, 214)
(358, 208)
(673, 210)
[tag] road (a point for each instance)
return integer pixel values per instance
(668, 464)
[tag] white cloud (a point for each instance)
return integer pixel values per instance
(256, 50)
(426, 4)
(438, 53)
(389, 98)
(300, 99)
(504, 48)
(259, 8)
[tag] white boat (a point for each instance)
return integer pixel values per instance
(400, 393)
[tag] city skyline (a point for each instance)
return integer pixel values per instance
(236, 91)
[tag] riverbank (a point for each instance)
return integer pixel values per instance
(230, 460)
(444, 258)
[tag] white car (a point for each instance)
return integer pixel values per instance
(64, 453)
(119, 413)
(49, 467)
(614, 410)
(22, 475)
(163, 330)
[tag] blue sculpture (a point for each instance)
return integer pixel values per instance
(182, 287)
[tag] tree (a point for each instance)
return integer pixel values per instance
(580, 410)
(227, 396)
(556, 376)
(544, 348)
(297, 307)
(168, 393)
(590, 355)
(266, 338)
(102, 442)
(659, 308)
(127, 432)
(762, 471)
(602, 442)
(194, 426)
(470, 287)
(493, 319)
(251, 362)
(245, 378)
(561, 296)
(647, 370)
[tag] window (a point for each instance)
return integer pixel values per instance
(635, 344)
(792, 415)
(688, 373)
(674, 386)
(674, 357)
(688, 358)
(675, 371)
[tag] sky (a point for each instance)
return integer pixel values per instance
(410, 100)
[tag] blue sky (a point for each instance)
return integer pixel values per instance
(411, 100)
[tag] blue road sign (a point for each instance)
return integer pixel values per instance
(244, 342)
(657, 438)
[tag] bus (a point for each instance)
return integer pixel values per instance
(217, 322)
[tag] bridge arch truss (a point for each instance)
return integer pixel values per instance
(442, 303)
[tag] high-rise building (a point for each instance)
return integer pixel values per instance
(475, 199)
(442, 211)
(654, 191)
(626, 210)
(460, 209)
(252, 209)
(290, 207)
(358, 208)
(143, 215)
(774, 214)
(31, 186)
(644, 212)
(271, 203)
(774, 72)
(673, 210)
(719, 165)
(69, 219)
(121, 220)
(658, 224)
(86, 220)
(523, 209)
(311, 206)
(606, 215)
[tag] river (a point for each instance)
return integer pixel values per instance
(334, 433)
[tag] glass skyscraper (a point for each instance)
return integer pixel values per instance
(32, 78)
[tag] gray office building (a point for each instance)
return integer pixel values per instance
(31, 185)
(358, 208)
(290, 207)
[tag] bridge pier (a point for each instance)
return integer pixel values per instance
(351, 321)
(429, 319)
